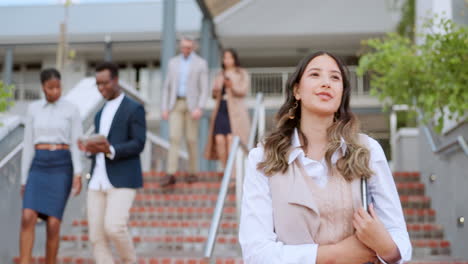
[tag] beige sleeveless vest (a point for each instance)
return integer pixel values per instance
(305, 213)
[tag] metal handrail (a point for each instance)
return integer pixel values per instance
(10, 155)
(159, 141)
(210, 242)
(256, 126)
(459, 140)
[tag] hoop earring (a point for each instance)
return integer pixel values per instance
(292, 110)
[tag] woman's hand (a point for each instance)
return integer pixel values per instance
(228, 77)
(372, 232)
(76, 187)
(348, 251)
(218, 84)
(227, 83)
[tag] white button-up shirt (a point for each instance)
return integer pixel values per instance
(257, 236)
(100, 179)
(184, 70)
(51, 123)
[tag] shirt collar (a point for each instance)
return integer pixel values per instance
(297, 151)
(189, 57)
(45, 103)
(117, 100)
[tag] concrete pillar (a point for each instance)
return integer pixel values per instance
(168, 49)
(427, 9)
(206, 36)
(215, 54)
(8, 66)
(169, 34)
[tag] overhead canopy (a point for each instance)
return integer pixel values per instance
(279, 28)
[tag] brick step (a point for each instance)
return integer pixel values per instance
(434, 259)
(168, 224)
(141, 260)
(406, 176)
(410, 188)
(163, 228)
(145, 244)
(415, 201)
(209, 176)
(437, 260)
(228, 239)
(184, 188)
(414, 216)
(425, 231)
(181, 200)
(426, 247)
(179, 213)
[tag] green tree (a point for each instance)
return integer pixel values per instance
(432, 76)
(6, 93)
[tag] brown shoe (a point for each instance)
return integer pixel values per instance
(167, 180)
(191, 178)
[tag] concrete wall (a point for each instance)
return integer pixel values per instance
(406, 150)
(449, 191)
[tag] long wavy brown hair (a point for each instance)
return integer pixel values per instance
(354, 163)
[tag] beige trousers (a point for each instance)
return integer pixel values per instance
(180, 123)
(108, 214)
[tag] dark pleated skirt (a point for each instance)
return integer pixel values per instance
(49, 183)
(222, 125)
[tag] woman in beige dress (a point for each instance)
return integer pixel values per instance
(230, 117)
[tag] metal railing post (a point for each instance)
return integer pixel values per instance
(218, 211)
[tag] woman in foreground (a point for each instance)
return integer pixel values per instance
(302, 200)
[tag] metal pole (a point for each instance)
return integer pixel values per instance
(8, 66)
(221, 198)
(108, 48)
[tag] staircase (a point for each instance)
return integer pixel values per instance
(427, 237)
(170, 226)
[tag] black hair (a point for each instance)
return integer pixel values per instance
(234, 56)
(48, 74)
(110, 66)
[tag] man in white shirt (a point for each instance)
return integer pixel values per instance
(116, 169)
